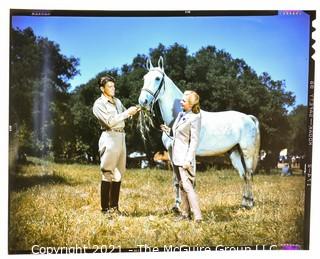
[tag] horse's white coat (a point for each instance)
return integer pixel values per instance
(220, 131)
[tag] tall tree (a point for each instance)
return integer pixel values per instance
(298, 121)
(39, 76)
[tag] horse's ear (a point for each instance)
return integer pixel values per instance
(149, 64)
(160, 63)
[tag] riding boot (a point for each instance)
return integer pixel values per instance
(115, 193)
(105, 196)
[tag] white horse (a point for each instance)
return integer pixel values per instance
(230, 131)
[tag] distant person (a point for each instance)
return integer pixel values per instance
(112, 147)
(185, 132)
(286, 170)
(293, 161)
(303, 166)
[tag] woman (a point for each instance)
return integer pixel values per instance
(185, 132)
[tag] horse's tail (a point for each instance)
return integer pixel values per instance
(256, 142)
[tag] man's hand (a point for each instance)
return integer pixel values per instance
(133, 110)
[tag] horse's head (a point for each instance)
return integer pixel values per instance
(154, 82)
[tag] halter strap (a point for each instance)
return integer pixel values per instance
(155, 95)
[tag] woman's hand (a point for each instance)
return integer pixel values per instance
(165, 128)
(187, 166)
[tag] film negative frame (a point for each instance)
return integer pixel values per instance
(187, 13)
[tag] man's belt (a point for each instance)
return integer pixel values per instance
(116, 130)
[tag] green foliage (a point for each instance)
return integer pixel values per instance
(38, 92)
(297, 141)
(63, 123)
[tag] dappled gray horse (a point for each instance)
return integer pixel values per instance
(230, 131)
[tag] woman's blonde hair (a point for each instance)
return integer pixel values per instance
(194, 100)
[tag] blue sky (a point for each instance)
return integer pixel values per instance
(278, 44)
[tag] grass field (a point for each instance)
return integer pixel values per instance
(58, 205)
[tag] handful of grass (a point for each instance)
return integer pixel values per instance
(145, 122)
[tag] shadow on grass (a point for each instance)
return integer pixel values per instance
(222, 213)
(217, 213)
(147, 213)
(22, 182)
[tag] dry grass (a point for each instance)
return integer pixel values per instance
(59, 205)
(144, 123)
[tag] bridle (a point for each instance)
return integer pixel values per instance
(155, 95)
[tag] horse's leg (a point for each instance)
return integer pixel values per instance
(176, 206)
(247, 156)
(247, 200)
(240, 166)
(235, 158)
(167, 142)
(249, 149)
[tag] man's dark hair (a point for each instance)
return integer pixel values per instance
(104, 79)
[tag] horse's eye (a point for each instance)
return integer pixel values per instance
(157, 78)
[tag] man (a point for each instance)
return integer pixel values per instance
(112, 148)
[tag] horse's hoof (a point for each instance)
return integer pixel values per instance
(175, 209)
(247, 205)
(247, 202)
